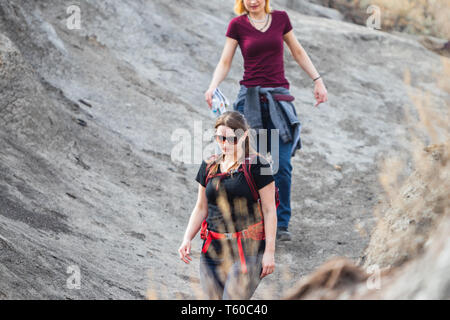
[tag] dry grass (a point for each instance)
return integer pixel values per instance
(422, 17)
(414, 206)
(425, 17)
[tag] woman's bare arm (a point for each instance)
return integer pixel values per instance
(198, 214)
(268, 206)
(195, 222)
(222, 68)
(301, 57)
(299, 54)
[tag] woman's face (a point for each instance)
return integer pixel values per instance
(226, 138)
(254, 6)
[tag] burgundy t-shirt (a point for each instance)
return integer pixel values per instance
(263, 52)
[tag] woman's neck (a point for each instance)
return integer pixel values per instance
(230, 158)
(257, 16)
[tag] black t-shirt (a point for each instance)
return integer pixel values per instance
(234, 199)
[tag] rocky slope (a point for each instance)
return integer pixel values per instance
(408, 256)
(86, 119)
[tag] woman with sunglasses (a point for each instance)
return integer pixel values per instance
(227, 203)
(260, 33)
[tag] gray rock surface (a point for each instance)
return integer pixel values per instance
(86, 119)
(408, 256)
(311, 9)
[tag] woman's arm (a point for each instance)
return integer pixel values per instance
(195, 222)
(299, 54)
(269, 209)
(222, 68)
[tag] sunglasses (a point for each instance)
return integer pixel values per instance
(230, 139)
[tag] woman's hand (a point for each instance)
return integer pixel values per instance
(320, 92)
(268, 263)
(208, 96)
(185, 250)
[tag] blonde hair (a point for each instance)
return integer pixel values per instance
(239, 7)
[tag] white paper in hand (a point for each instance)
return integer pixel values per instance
(219, 103)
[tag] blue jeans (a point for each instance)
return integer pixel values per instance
(220, 281)
(281, 163)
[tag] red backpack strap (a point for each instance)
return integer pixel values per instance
(208, 166)
(249, 177)
(220, 175)
(252, 184)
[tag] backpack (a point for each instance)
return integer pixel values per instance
(253, 189)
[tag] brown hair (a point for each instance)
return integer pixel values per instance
(239, 7)
(234, 120)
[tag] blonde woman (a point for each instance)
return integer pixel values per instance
(239, 244)
(261, 32)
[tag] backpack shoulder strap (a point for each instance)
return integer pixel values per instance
(249, 177)
(208, 166)
(247, 173)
